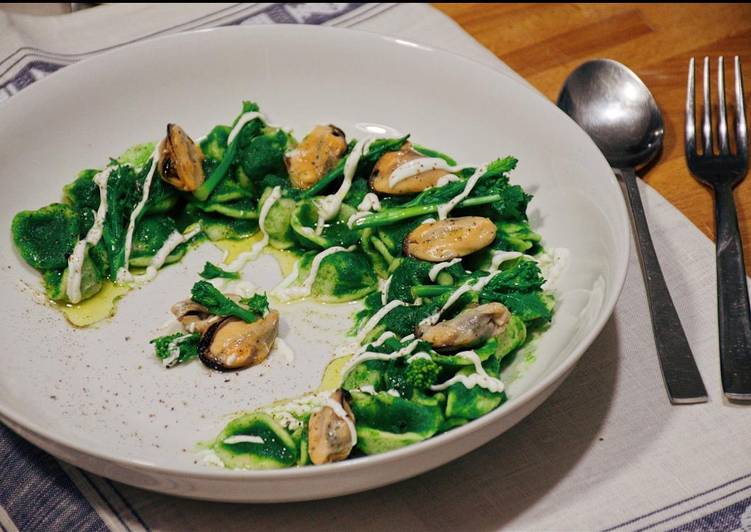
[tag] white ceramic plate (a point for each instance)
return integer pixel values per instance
(99, 399)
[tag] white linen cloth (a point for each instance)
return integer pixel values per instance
(606, 450)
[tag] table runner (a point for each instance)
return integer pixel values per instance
(606, 451)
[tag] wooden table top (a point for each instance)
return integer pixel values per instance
(544, 43)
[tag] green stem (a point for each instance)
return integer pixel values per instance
(391, 216)
(430, 290)
(203, 192)
(381, 248)
(333, 175)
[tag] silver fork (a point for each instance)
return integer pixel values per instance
(723, 171)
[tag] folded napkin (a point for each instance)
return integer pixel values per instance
(606, 451)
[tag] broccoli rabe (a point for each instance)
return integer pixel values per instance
(518, 286)
(408, 273)
(491, 188)
(516, 236)
(257, 303)
(185, 344)
(524, 276)
(210, 271)
(204, 293)
(83, 195)
(248, 131)
(124, 188)
(264, 155)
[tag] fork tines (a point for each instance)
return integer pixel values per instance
(741, 129)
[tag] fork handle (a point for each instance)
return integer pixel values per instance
(682, 378)
(732, 299)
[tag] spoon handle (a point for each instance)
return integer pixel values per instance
(732, 299)
(682, 378)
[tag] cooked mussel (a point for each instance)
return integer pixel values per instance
(450, 238)
(330, 431)
(180, 160)
(469, 328)
(193, 317)
(233, 343)
(390, 161)
(315, 156)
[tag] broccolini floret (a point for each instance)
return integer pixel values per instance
(204, 293)
(421, 373)
(187, 344)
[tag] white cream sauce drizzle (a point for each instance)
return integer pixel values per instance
(329, 206)
(385, 290)
(75, 261)
(445, 209)
(243, 438)
(382, 339)
(438, 268)
(244, 119)
(428, 221)
(418, 166)
(446, 179)
(472, 286)
(243, 258)
(174, 350)
(287, 413)
(209, 457)
(158, 260)
(123, 274)
(370, 355)
(377, 317)
(285, 292)
(355, 349)
(479, 378)
(342, 414)
(369, 203)
(552, 264)
(418, 356)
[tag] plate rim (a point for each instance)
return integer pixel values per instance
(507, 409)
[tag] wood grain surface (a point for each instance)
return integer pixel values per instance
(544, 43)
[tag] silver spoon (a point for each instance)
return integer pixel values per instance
(618, 112)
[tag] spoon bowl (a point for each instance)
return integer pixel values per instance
(616, 109)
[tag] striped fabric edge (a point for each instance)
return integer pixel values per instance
(36, 493)
(26, 65)
(6, 523)
(724, 507)
(110, 504)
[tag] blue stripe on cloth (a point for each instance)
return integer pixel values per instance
(37, 494)
(734, 517)
(702, 506)
(678, 503)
